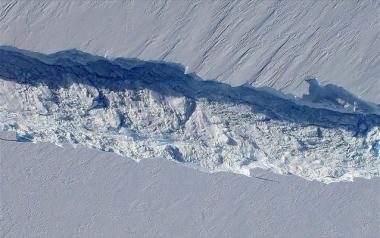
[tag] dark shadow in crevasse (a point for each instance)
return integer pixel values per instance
(61, 69)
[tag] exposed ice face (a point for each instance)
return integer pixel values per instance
(144, 110)
(376, 148)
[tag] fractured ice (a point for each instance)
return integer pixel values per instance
(142, 109)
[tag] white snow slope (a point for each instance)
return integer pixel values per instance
(263, 43)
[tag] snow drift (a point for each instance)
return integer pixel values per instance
(264, 43)
(145, 109)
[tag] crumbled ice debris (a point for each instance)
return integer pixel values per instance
(337, 98)
(187, 70)
(156, 111)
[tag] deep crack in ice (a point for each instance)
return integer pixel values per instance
(143, 110)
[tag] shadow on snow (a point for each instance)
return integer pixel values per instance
(61, 69)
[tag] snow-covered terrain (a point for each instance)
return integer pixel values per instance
(264, 43)
(143, 109)
(48, 191)
(291, 87)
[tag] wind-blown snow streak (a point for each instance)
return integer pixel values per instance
(263, 42)
(143, 110)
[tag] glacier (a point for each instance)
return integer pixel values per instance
(154, 109)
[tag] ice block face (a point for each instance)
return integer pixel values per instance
(144, 110)
(376, 148)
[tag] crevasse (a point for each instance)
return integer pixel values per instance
(143, 110)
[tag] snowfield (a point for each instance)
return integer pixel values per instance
(144, 110)
(246, 90)
(48, 191)
(264, 43)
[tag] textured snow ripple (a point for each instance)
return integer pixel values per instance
(144, 110)
(266, 43)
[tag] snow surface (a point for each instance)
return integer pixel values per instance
(64, 192)
(311, 49)
(263, 43)
(144, 110)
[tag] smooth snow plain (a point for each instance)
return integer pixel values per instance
(65, 192)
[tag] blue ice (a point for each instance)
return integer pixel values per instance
(376, 148)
